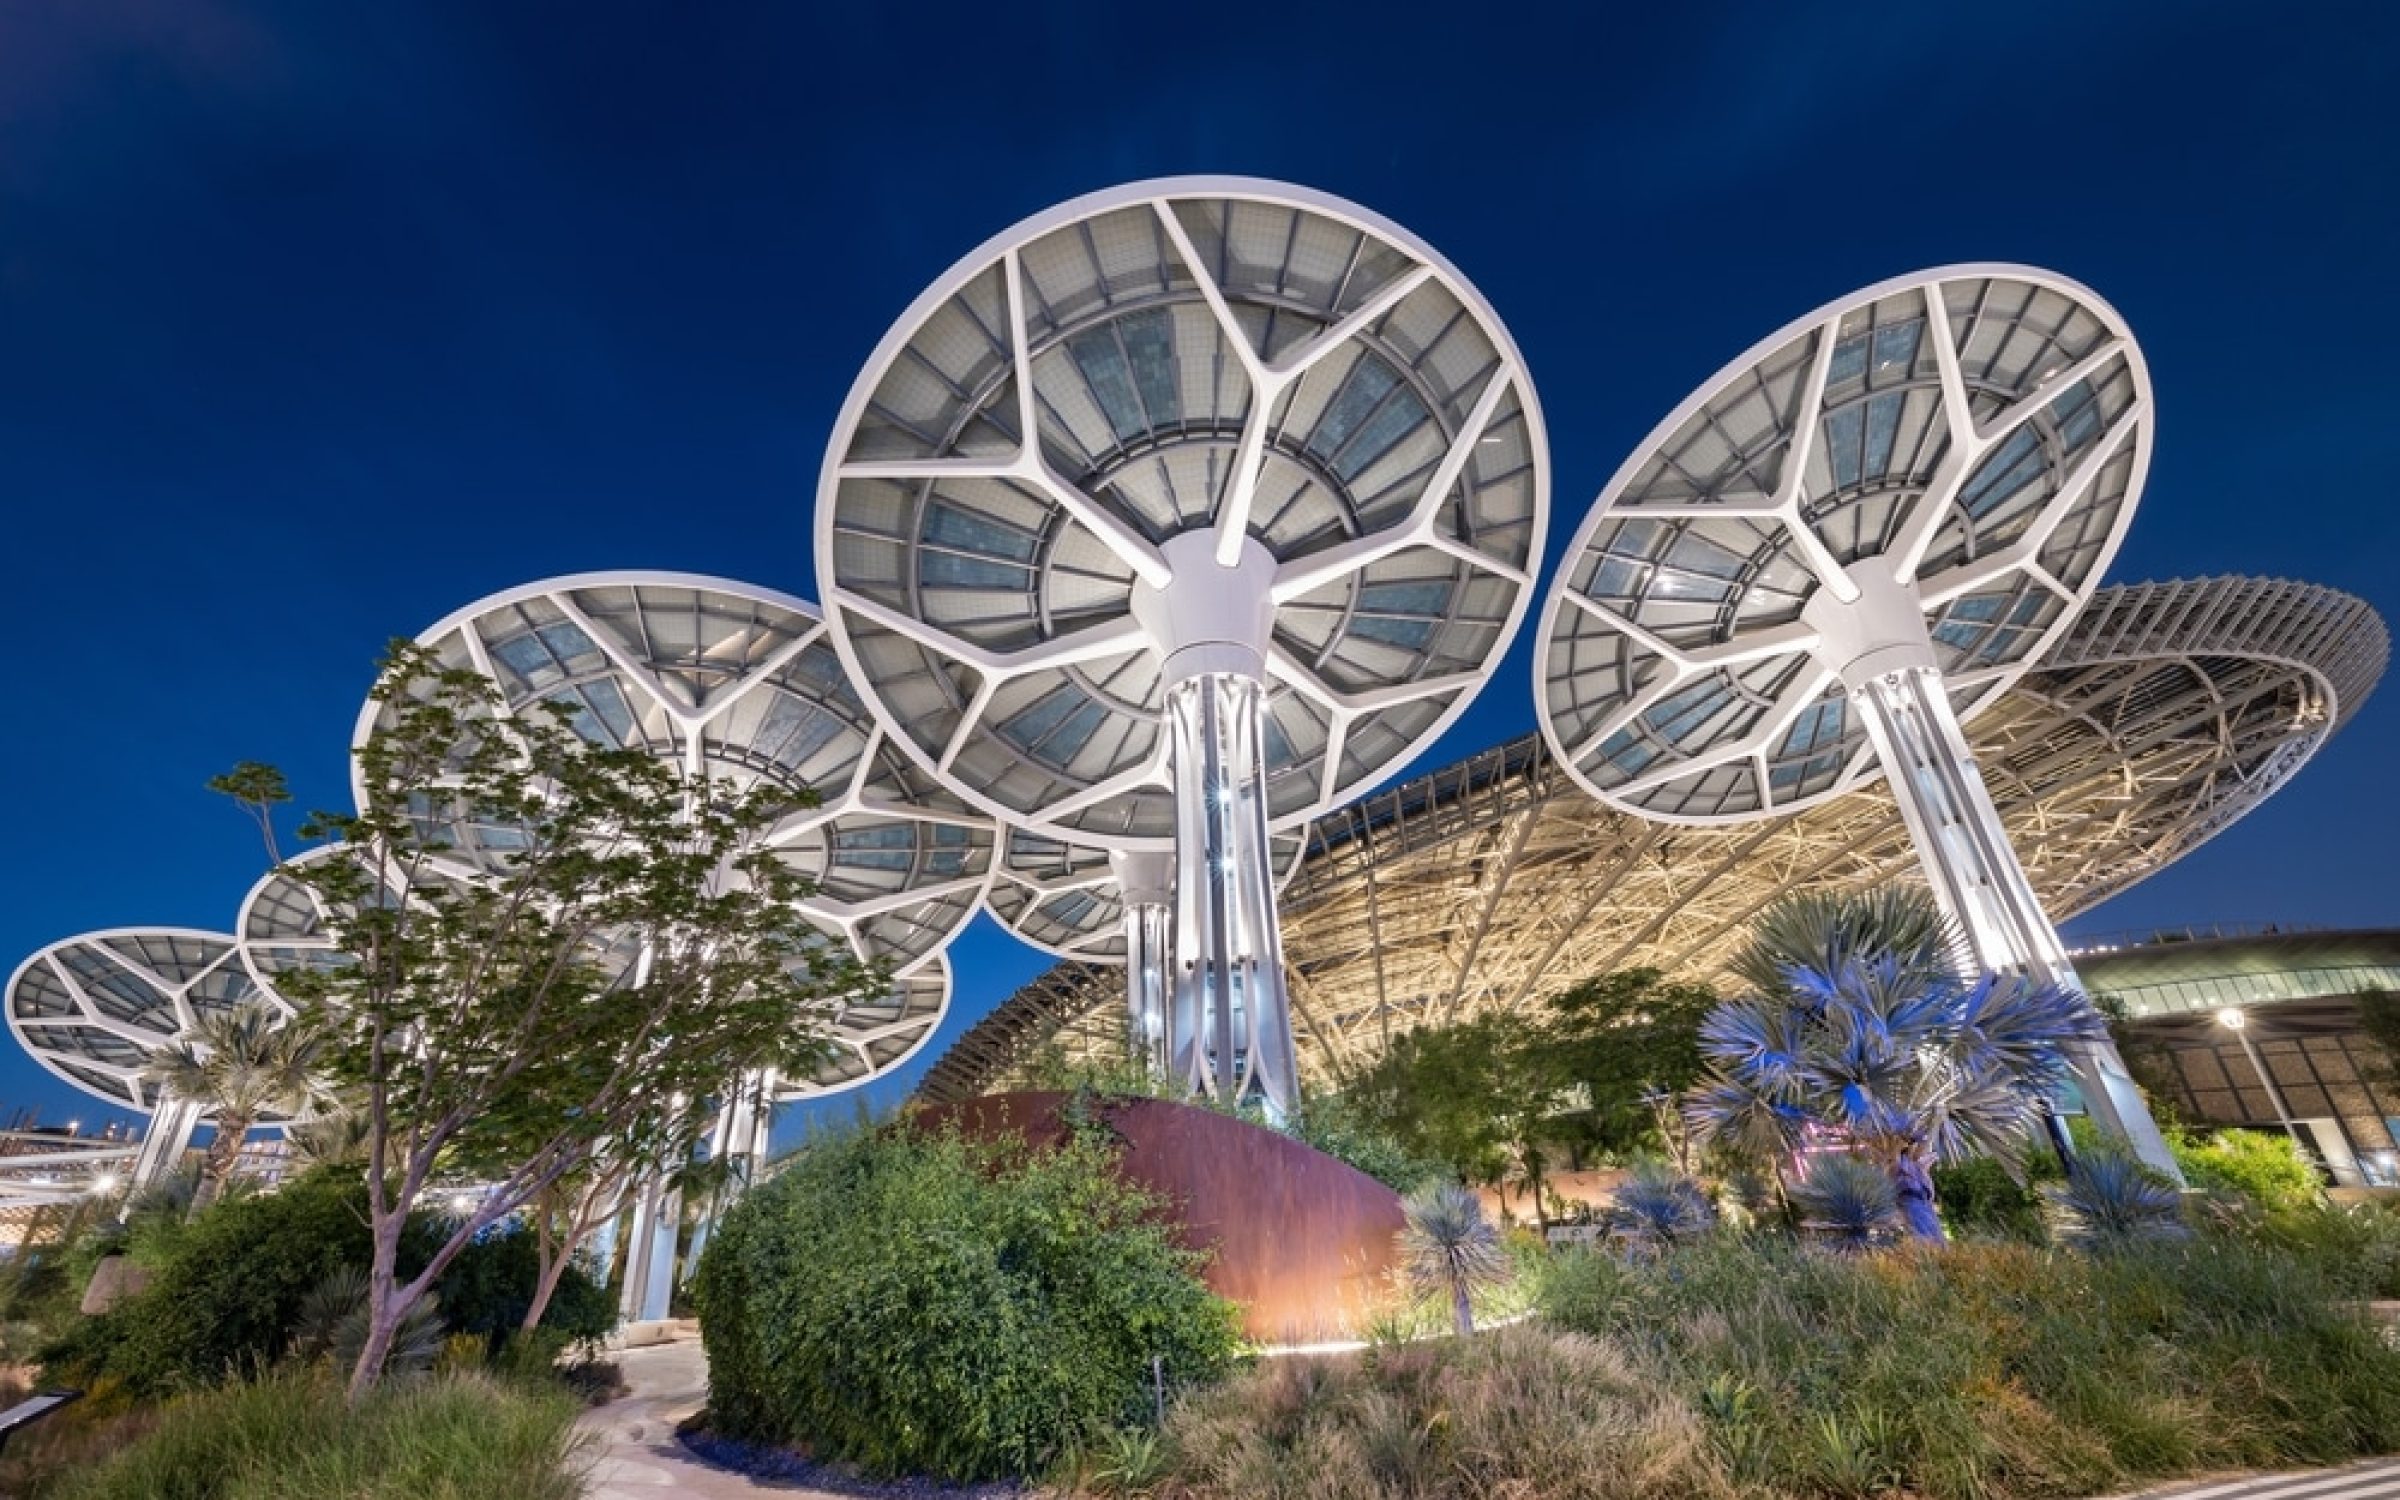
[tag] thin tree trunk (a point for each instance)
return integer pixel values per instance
(383, 1318)
(216, 1168)
(554, 1271)
(1462, 1311)
(1912, 1185)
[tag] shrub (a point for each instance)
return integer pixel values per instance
(918, 1303)
(1847, 1204)
(289, 1436)
(2112, 1199)
(226, 1291)
(2263, 1167)
(1658, 1207)
(1518, 1411)
(1978, 1196)
(488, 1288)
(229, 1287)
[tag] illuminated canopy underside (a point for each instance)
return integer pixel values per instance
(1075, 395)
(92, 1008)
(2166, 713)
(1062, 896)
(1986, 460)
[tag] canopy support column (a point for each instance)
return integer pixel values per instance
(1232, 1017)
(1975, 874)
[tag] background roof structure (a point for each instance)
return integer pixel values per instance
(2167, 712)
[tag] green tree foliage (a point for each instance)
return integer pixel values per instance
(1331, 1123)
(918, 1303)
(1474, 1097)
(1857, 1031)
(630, 938)
(1626, 1038)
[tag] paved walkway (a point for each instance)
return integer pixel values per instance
(2376, 1479)
(640, 1458)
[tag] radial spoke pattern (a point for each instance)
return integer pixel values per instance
(1231, 358)
(2166, 713)
(91, 1009)
(1976, 434)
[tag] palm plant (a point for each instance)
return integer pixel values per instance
(2114, 1200)
(1658, 1208)
(1447, 1245)
(240, 1065)
(1846, 1203)
(1858, 1032)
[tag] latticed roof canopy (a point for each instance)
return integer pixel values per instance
(730, 680)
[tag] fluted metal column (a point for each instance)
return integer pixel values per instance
(1231, 1030)
(1978, 879)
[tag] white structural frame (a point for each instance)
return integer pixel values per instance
(1864, 627)
(1204, 602)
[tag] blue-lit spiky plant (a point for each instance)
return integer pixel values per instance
(1447, 1246)
(2114, 1200)
(1857, 1031)
(1847, 1204)
(1658, 1208)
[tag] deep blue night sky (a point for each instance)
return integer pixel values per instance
(318, 321)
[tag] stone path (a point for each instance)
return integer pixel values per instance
(639, 1457)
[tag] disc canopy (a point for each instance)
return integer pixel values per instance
(1213, 418)
(92, 1009)
(1851, 540)
(1940, 466)
(1068, 898)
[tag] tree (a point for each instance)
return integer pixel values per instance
(1474, 1096)
(1626, 1038)
(626, 942)
(239, 1065)
(1859, 1034)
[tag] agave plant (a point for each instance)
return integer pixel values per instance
(1859, 1030)
(1658, 1208)
(332, 1326)
(1847, 1204)
(1448, 1246)
(2114, 1200)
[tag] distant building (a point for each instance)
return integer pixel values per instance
(2296, 995)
